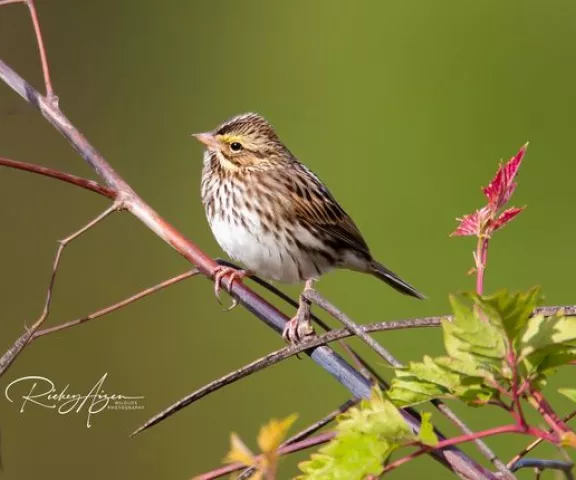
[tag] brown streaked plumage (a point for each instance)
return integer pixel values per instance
(272, 214)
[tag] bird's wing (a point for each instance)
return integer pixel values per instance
(315, 206)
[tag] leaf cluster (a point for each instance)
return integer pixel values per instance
(494, 345)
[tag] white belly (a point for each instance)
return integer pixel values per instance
(266, 256)
(259, 251)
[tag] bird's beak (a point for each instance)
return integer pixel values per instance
(207, 139)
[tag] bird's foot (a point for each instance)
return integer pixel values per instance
(235, 275)
(299, 328)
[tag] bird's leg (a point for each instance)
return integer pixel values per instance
(300, 327)
(235, 275)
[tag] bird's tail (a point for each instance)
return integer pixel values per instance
(381, 272)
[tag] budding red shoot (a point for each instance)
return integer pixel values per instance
(492, 217)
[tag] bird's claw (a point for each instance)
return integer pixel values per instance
(235, 275)
(299, 328)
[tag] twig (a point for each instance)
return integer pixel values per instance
(515, 428)
(359, 363)
(267, 361)
(11, 354)
(540, 465)
(64, 177)
(319, 300)
(545, 409)
(114, 307)
(535, 443)
(41, 49)
(480, 444)
(568, 310)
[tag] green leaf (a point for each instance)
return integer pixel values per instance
(469, 337)
(477, 341)
(542, 332)
(410, 390)
(546, 344)
(365, 436)
(426, 434)
(568, 392)
(353, 456)
(435, 378)
(549, 362)
(510, 310)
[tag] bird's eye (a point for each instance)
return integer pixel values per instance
(235, 146)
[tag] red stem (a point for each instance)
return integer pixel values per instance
(470, 437)
(41, 48)
(516, 398)
(548, 413)
(481, 258)
(65, 177)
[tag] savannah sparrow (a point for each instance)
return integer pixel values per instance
(275, 216)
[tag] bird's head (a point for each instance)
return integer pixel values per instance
(246, 141)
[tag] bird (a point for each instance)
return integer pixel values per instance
(276, 217)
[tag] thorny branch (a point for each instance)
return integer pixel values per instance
(269, 360)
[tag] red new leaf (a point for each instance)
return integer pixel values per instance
(506, 217)
(503, 185)
(472, 224)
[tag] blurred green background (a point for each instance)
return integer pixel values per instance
(402, 108)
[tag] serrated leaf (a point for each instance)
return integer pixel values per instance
(471, 335)
(273, 433)
(477, 342)
(546, 361)
(410, 390)
(422, 382)
(569, 393)
(426, 435)
(365, 436)
(545, 332)
(376, 416)
(353, 456)
(510, 310)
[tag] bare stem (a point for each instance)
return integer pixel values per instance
(114, 307)
(62, 176)
(545, 409)
(468, 438)
(354, 328)
(41, 48)
(11, 354)
(481, 257)
(535, 443)
(259, 364)
(540, 465)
